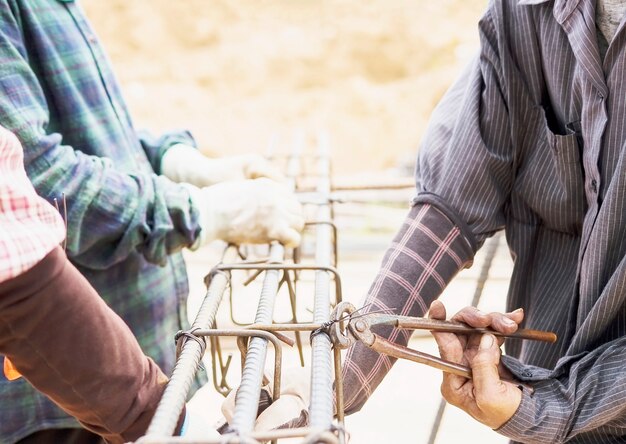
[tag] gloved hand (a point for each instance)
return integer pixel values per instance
(182, 163)
(288, 411)
(249, 211)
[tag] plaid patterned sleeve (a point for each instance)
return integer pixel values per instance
(87, 149)
(424, 256)
(155, 147)
(30, 228)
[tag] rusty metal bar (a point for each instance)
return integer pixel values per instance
(175, 395)
(239, 333)
(417, 323)
(288, 267)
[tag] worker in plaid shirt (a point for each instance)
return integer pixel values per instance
(40, 289)
(127, 217)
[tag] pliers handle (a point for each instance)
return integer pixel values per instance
(358, 328)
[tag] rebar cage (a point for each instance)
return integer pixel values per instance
(280, 268)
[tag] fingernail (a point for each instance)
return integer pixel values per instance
(519, 310)
(486, 342)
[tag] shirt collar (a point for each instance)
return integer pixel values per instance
(562, 8)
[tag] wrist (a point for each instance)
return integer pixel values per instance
(183, 163)
(205, 219)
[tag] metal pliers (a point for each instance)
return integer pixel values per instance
(350, 327)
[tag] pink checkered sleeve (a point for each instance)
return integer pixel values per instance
(30, 227)
(424, 256)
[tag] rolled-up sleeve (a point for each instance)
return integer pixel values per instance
(110, 213)
(156, 146)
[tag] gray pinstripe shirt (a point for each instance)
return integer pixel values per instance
(532, 139)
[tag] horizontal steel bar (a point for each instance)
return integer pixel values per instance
(320, 435)
(278, 351)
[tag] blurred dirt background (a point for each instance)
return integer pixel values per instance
(241, 72)
(237, 71)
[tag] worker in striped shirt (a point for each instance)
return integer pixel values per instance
(530, 140)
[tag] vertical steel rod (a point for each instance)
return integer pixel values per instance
(173, 401)
(249, 392)
(321, 409)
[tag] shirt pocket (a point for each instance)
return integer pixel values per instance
(549, 180)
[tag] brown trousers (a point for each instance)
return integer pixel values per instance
(71, 346)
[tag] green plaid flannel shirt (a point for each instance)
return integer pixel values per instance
(125, 223)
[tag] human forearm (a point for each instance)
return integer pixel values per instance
(66, 342)
(110, 213)
(424, 256)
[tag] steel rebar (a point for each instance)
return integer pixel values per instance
(247, 400)
(173, 400)
(321, 408)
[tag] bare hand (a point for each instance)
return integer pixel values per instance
(486, 397)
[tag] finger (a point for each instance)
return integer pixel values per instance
(502, 322)
(497, 401)
(485, 369)
(453, 389)
(517, 315)
(473, 317)
(437, 310)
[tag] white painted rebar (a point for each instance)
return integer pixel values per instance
(321, 408)
(249, 392)
(175, 395)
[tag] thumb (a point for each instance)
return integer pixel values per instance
(485, 366)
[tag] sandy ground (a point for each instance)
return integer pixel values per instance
(237, 71)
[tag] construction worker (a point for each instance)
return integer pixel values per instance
(56, 330)
(531, 140)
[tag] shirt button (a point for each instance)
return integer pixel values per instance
(527, 374)
(594, 186)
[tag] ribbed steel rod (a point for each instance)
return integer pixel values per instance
(171, 405)
(249, 392)
(247, 400)
(321, 409)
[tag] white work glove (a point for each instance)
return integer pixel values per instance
(182, 163)
(290, 410)
(248, 212)
(196, 427)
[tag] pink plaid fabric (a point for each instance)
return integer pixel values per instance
(424, 256)
(29, 226)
